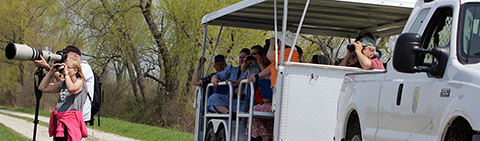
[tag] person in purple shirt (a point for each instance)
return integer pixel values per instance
(366, 56)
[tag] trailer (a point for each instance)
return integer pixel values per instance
(306, 97)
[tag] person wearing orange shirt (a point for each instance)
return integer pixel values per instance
(264, 127)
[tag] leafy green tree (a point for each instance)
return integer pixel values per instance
(25, 22)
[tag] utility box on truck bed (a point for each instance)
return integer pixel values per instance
(309, 97)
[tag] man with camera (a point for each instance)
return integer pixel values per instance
(73, 52)
(362, 54)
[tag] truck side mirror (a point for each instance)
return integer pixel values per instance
(407, 51)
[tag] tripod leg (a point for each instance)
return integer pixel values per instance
(38, 96)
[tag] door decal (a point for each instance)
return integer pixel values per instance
(416, 92)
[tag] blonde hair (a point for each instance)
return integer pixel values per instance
(76, 64)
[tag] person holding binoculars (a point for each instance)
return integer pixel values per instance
(362, 54)
(66, 120)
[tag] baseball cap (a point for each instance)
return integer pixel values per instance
(288, 38)
(219, 58)
(71, 49)
(366, 41)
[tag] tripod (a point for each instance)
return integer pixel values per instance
(38, 96)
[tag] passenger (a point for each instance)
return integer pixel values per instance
(261, 126)
(320, 59)
(300, 53)
(219, 65)
(219, 102)
(314, 59)
(263, 54)
(366, 56)
(253, 63)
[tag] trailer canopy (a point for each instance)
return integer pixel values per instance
(340, 18)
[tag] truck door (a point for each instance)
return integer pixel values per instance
(408, 103)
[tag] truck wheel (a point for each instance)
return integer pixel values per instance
(221, 135)
(459, 130)
(353, 126)
(210, 135)
(357, 138)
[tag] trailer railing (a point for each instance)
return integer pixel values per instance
(217, 115)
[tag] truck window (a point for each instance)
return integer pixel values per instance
(437, 33)
(419, 20)
(469, 36)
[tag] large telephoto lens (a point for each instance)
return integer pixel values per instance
(24, 52)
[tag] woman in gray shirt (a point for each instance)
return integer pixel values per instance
(73, 94)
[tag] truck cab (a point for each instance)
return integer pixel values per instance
(429, 91)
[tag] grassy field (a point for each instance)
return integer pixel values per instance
(8, 134)
(119, 127)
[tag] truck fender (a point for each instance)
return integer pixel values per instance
(351, 107)
(464, 106)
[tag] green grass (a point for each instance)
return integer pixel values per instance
(8, 134)
(124, 128)
(142, 132)
(27, 110)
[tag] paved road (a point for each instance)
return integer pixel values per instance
(26, 128)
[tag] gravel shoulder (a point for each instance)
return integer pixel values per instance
(26, 128)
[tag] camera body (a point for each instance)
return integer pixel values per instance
(59, 68)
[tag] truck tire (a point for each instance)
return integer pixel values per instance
(357, 138)
(353, 126)
(210, 136)
(459, 130)
(221, 135)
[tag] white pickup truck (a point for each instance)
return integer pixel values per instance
(431, 89)
(427, 91)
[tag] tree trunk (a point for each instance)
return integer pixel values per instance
(131, 74)
(140, 76)
(165, 57)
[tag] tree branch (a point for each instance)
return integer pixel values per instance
(155, 78)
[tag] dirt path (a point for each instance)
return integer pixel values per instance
(26, 128)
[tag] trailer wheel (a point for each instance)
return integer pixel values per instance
(357, 138)
(210, 136)
(221, 135)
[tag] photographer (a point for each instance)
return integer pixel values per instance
(74, 53)
(362, 54)
(253, 63)
(66, 122)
